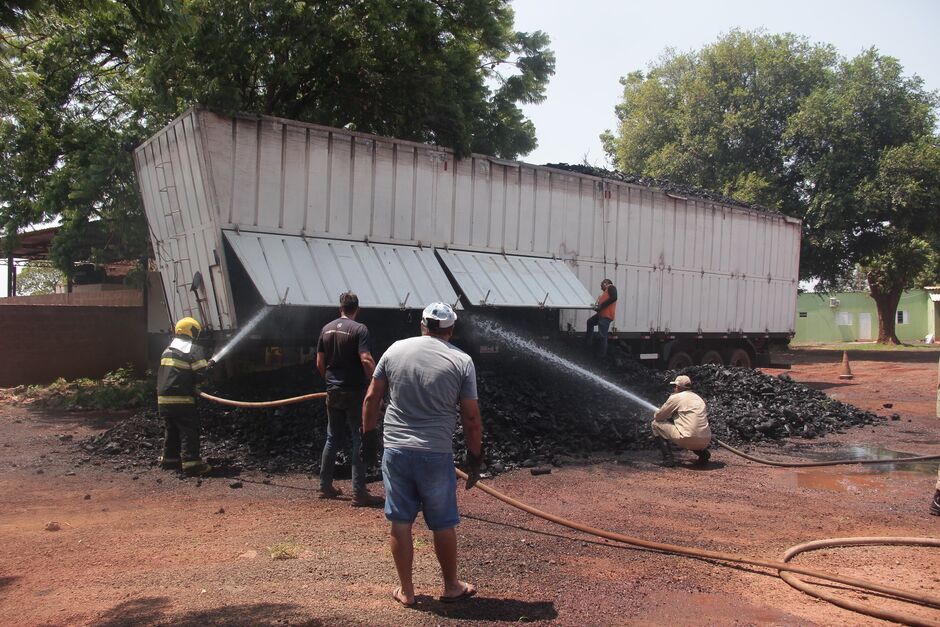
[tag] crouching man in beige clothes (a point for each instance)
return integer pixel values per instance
(683, 420)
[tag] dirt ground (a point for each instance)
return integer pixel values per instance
(149, 548)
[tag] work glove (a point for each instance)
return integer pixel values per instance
(369, 451)
(473, 464)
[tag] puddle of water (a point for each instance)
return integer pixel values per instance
(819, 480)
(868, 451)
(860, 477)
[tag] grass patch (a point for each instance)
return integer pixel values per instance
(418, 542)
(119, 389)
(865, 346)
(286, 550)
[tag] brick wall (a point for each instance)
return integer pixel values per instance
(39, 343)
(105, 298)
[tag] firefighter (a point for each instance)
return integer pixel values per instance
(182, 366)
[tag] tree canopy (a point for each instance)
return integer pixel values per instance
(847, 145)
(83, 83)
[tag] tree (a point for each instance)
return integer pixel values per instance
(85, 83)
(38, 278)
(900, 262)
(845, 145)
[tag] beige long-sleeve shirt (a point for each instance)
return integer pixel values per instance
(688, 409)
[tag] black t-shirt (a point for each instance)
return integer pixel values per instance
(341, 341)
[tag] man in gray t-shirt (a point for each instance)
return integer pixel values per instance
(427, 380)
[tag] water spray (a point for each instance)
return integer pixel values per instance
(243, 332)
(517, 341)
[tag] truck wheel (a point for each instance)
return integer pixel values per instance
(711, 357)
(679, 360)
(739, 358)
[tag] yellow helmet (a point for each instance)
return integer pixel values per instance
(189, 326)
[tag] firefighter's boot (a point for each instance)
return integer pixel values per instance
(196, 468)
(935, 504)
(170, 463)
(664, 448)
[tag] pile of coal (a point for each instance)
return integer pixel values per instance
(679, 189)
(747, 405)
(534, 414)
(281, 439)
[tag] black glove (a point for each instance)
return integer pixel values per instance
(473, 464)
(369, 451)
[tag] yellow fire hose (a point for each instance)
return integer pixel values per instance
(261, 404)
(786, 570)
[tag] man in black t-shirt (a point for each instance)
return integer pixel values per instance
(344, 359)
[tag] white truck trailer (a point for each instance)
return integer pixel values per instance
(271, 212)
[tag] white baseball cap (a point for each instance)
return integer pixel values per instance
(443, 313)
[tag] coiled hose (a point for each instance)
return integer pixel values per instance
(784, 568)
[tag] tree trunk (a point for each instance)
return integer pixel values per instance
(887, 303)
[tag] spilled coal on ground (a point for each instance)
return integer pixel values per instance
(534, 414)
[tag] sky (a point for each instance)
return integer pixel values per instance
(598, 41)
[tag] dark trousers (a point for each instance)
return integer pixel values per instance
(182, 432)
(344, 412)
(603, 328)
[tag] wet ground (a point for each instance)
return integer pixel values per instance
(148, 548)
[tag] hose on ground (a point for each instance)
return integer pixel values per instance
(781, 567)
(261, 404)
(832, 462)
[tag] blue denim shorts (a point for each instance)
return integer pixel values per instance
(420, 480)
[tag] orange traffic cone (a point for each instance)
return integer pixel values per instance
(846, 369)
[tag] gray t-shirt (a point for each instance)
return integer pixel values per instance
(427, 377)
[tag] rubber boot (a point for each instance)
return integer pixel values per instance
(668, 460)
(196, 468)
(935, 504)
(703, 457)
(170, 463)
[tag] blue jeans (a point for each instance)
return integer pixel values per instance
(345, 423)
(420, 480)
(603, 328)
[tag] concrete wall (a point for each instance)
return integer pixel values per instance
(40, 343)
(821, 322)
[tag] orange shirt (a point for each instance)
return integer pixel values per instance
(607, 311)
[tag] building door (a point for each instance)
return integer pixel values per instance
(864, 326)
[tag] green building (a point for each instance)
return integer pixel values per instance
(853, 316)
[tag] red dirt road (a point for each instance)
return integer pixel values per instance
(149, 548)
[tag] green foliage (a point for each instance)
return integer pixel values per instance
(899, 261)
(847, 145)
(119, 389)
(36, 278)
(82, 84)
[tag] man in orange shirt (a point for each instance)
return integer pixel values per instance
(606, 309)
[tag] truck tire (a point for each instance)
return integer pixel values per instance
(711, 357)
(679, 361)
(739, 358)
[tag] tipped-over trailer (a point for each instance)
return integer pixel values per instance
(250, 211)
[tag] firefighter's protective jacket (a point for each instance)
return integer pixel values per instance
(182, 367)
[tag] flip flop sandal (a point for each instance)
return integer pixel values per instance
(399, 600)
(466, 594)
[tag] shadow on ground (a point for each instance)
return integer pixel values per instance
(489, 609)
(157, 610)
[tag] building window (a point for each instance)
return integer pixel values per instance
(904, 317)
(803, 314)
(844, 319)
